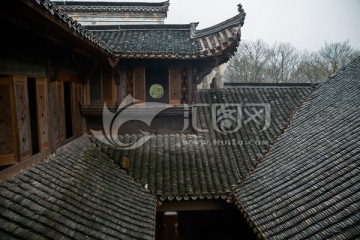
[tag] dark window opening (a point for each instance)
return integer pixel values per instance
(157, 85)
(203, 224)
(67, 105)
(33, 115)
(95, 87)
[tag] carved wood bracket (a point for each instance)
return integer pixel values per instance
(113, 62)
(201, 73)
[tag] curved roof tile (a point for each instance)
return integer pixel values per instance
(210, 164)
(83, 6)
(171, 41)
(308, 187)
(69, 196)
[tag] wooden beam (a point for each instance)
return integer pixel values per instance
(33, 18)
(194, 205)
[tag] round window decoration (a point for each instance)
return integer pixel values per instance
(156, 91)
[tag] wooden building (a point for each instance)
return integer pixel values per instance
(171, 58)
(45, 61)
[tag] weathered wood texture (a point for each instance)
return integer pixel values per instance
(42, 113)
(139, 83)
(8, 133)
(57, 102)
(175, 86)
(23, 116)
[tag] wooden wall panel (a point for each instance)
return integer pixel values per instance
(58, 110)
(139, 84)
(61, 111)
(42, 113)
(174, 86)
(53, 106)
(8, 131)
(23, 116)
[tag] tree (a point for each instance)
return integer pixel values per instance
(257, 61)
(337, 55)
(248, 64)
(311, 68)
(283, 61)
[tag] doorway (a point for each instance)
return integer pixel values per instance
(201, 219)
(33, 115)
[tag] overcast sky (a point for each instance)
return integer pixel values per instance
(306, 24)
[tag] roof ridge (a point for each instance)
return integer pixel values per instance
(260, 84)
(236, 21)
(139, 27)
(111, 4)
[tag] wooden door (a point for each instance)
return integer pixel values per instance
(8, 131)
(77, 119)
(57, 109)
(174, 86)
(139, 84)
(61, 112)
(23, 116)
(42, 113)
(53, 106)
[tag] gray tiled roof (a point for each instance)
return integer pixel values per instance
(308, 187)
(148, 40)
(64, 19)
(208, 165)
(170, 41)
(163, 41)
(86, 6)
(78, 193)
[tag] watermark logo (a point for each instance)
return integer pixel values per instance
(130, 109)
(259, 113)
(230, 117)
(225, 119)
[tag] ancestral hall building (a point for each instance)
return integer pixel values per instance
(291, 171)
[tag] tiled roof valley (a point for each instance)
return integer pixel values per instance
(207, 165)
(312, 192)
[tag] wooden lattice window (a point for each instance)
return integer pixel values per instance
(8, 132)
(23, 116)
